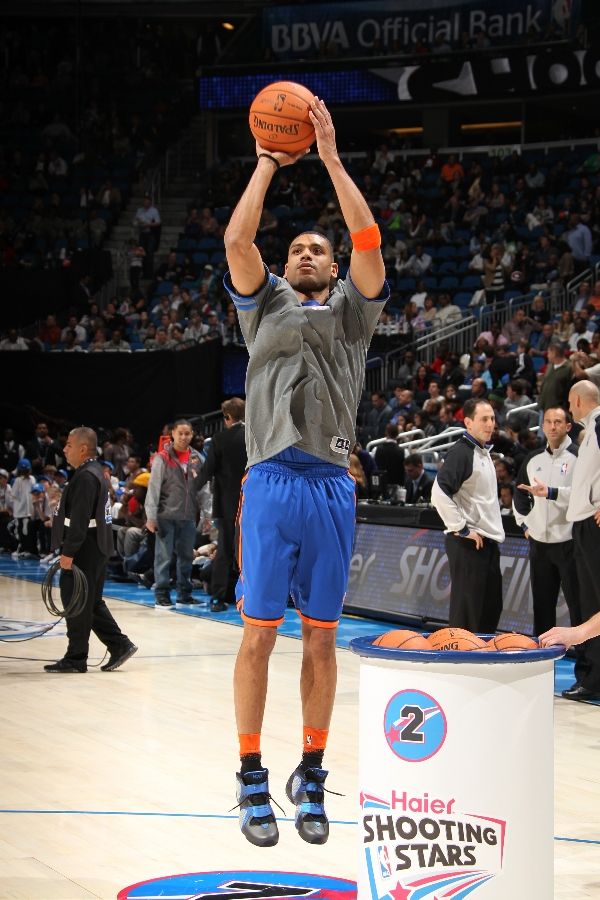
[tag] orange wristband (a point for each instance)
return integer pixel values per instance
(368, 238)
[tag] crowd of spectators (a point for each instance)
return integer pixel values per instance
(34, 473)
(523, 368)
(71, 146)
(173, 320)
(457, 233)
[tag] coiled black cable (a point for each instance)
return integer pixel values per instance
(73, 607)
(74, 604)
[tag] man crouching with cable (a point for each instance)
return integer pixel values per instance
(82, 529)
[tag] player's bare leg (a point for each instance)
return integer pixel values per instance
(250, 681)
(319, 675)
(251, 677)
(318, 680)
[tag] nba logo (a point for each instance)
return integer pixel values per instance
(384, 861)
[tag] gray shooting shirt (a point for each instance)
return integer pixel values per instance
(306, 368)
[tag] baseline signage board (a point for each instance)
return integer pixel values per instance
(404, 571)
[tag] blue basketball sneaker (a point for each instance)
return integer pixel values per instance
(305, 789)
(257, 821)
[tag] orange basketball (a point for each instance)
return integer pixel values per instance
(279, 117)
(407, 640)
(512, 641)
(455, 639)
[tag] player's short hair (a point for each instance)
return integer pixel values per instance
(180, 422)
(413, 459)
(313, 231)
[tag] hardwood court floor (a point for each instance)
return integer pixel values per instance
(112, 778)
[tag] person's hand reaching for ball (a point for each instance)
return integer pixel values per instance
(324, 131)
(284, 159)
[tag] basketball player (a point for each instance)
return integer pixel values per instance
(307, 336)
(584, 512)
(465, 494)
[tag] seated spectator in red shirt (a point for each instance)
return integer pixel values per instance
(452, 170)
(49, 333)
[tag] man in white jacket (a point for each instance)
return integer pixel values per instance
(584, 512)
(545, 525)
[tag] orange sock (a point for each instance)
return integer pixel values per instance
(249, 743)
(314, 738)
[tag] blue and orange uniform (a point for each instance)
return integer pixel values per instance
(297, 507)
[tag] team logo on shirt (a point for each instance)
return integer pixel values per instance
(340, 445)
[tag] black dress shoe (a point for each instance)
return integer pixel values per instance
(143, 579)
(67, 665)
(577, 692)
(217, 605)
(121, 656)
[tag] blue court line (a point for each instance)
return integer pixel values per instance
(576, 840)
(164, 815)
(174, 815)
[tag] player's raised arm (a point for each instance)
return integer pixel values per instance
(367, 268)
(243, 257)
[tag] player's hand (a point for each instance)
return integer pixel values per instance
(324, 131)
(565, 637)
(66, 562)
(472, 536)
(151, 525)
(537, 489)
(597, 517)
(284, 159)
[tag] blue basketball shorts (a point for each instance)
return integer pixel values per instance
(295, 535)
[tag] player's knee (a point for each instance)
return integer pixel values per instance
(259, 639)
(319, 641)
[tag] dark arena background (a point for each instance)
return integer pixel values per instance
(471, 129)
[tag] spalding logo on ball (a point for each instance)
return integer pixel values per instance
(279, 117)
(455, 639)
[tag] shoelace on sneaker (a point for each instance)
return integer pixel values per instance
(259, 800)
(314, 810)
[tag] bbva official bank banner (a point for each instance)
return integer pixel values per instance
(360, 27)
(403, 570)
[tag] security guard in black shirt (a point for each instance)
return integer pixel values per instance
(82, 529)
